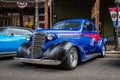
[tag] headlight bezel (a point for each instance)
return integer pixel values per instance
(28, 37)
(50, 36)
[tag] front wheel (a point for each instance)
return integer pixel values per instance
(72, 59)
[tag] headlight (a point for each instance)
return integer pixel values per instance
(27, 37)
(50, 36)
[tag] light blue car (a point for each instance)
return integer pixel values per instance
(11, 38)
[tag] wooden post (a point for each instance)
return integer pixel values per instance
(97, 23)
(21, 17)
(46, 14)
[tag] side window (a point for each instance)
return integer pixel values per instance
(73, 25)
(7, 32)
(69, 25)
(87, 26)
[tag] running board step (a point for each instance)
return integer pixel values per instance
(92, 55)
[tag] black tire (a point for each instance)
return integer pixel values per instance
(24, 63)
(103, 51)
(72, 59)
(24, 50)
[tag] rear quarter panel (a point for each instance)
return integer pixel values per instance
(101, 42)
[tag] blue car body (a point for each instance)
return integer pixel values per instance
(10, 41)
(49, 46)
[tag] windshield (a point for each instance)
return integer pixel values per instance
(2, 28)
(71, 25)
(17, 31)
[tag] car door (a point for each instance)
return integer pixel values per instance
(90, 37)
(9, 43)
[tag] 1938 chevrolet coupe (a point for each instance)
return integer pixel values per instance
(67, 43)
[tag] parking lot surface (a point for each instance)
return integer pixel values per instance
(107, 68)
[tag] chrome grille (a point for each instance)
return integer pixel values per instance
(37, 44)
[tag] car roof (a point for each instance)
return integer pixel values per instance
(76, 19)
(18, 28)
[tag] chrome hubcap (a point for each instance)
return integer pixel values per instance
(103, 50)
(73, 57)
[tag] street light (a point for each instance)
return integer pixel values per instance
(117, 2)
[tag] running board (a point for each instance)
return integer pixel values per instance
(92, 55)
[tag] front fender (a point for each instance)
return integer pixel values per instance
(24, 50)
(58, 51)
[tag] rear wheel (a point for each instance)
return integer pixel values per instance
(72, 59)
(103, 51)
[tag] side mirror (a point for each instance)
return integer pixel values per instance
(12, 34)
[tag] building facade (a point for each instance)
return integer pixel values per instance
(12, 15)
(57, 10)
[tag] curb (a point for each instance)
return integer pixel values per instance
(113, 52)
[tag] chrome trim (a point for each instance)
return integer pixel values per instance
(7, 55)
(37, 44)
(38, 61)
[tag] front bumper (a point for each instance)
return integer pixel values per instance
(38, 61)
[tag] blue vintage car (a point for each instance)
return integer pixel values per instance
(67, 43)
(11, 38)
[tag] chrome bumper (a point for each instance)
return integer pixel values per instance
(38, 61)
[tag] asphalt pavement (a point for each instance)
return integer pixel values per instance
(107, 68)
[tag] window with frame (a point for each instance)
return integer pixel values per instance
(71, 25)
(87, 26)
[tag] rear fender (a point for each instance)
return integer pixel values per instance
(101, 42)
(81, 51)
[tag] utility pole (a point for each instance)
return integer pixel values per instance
(46, 14)
(117, 22)
(51, 12)
(36, 14)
